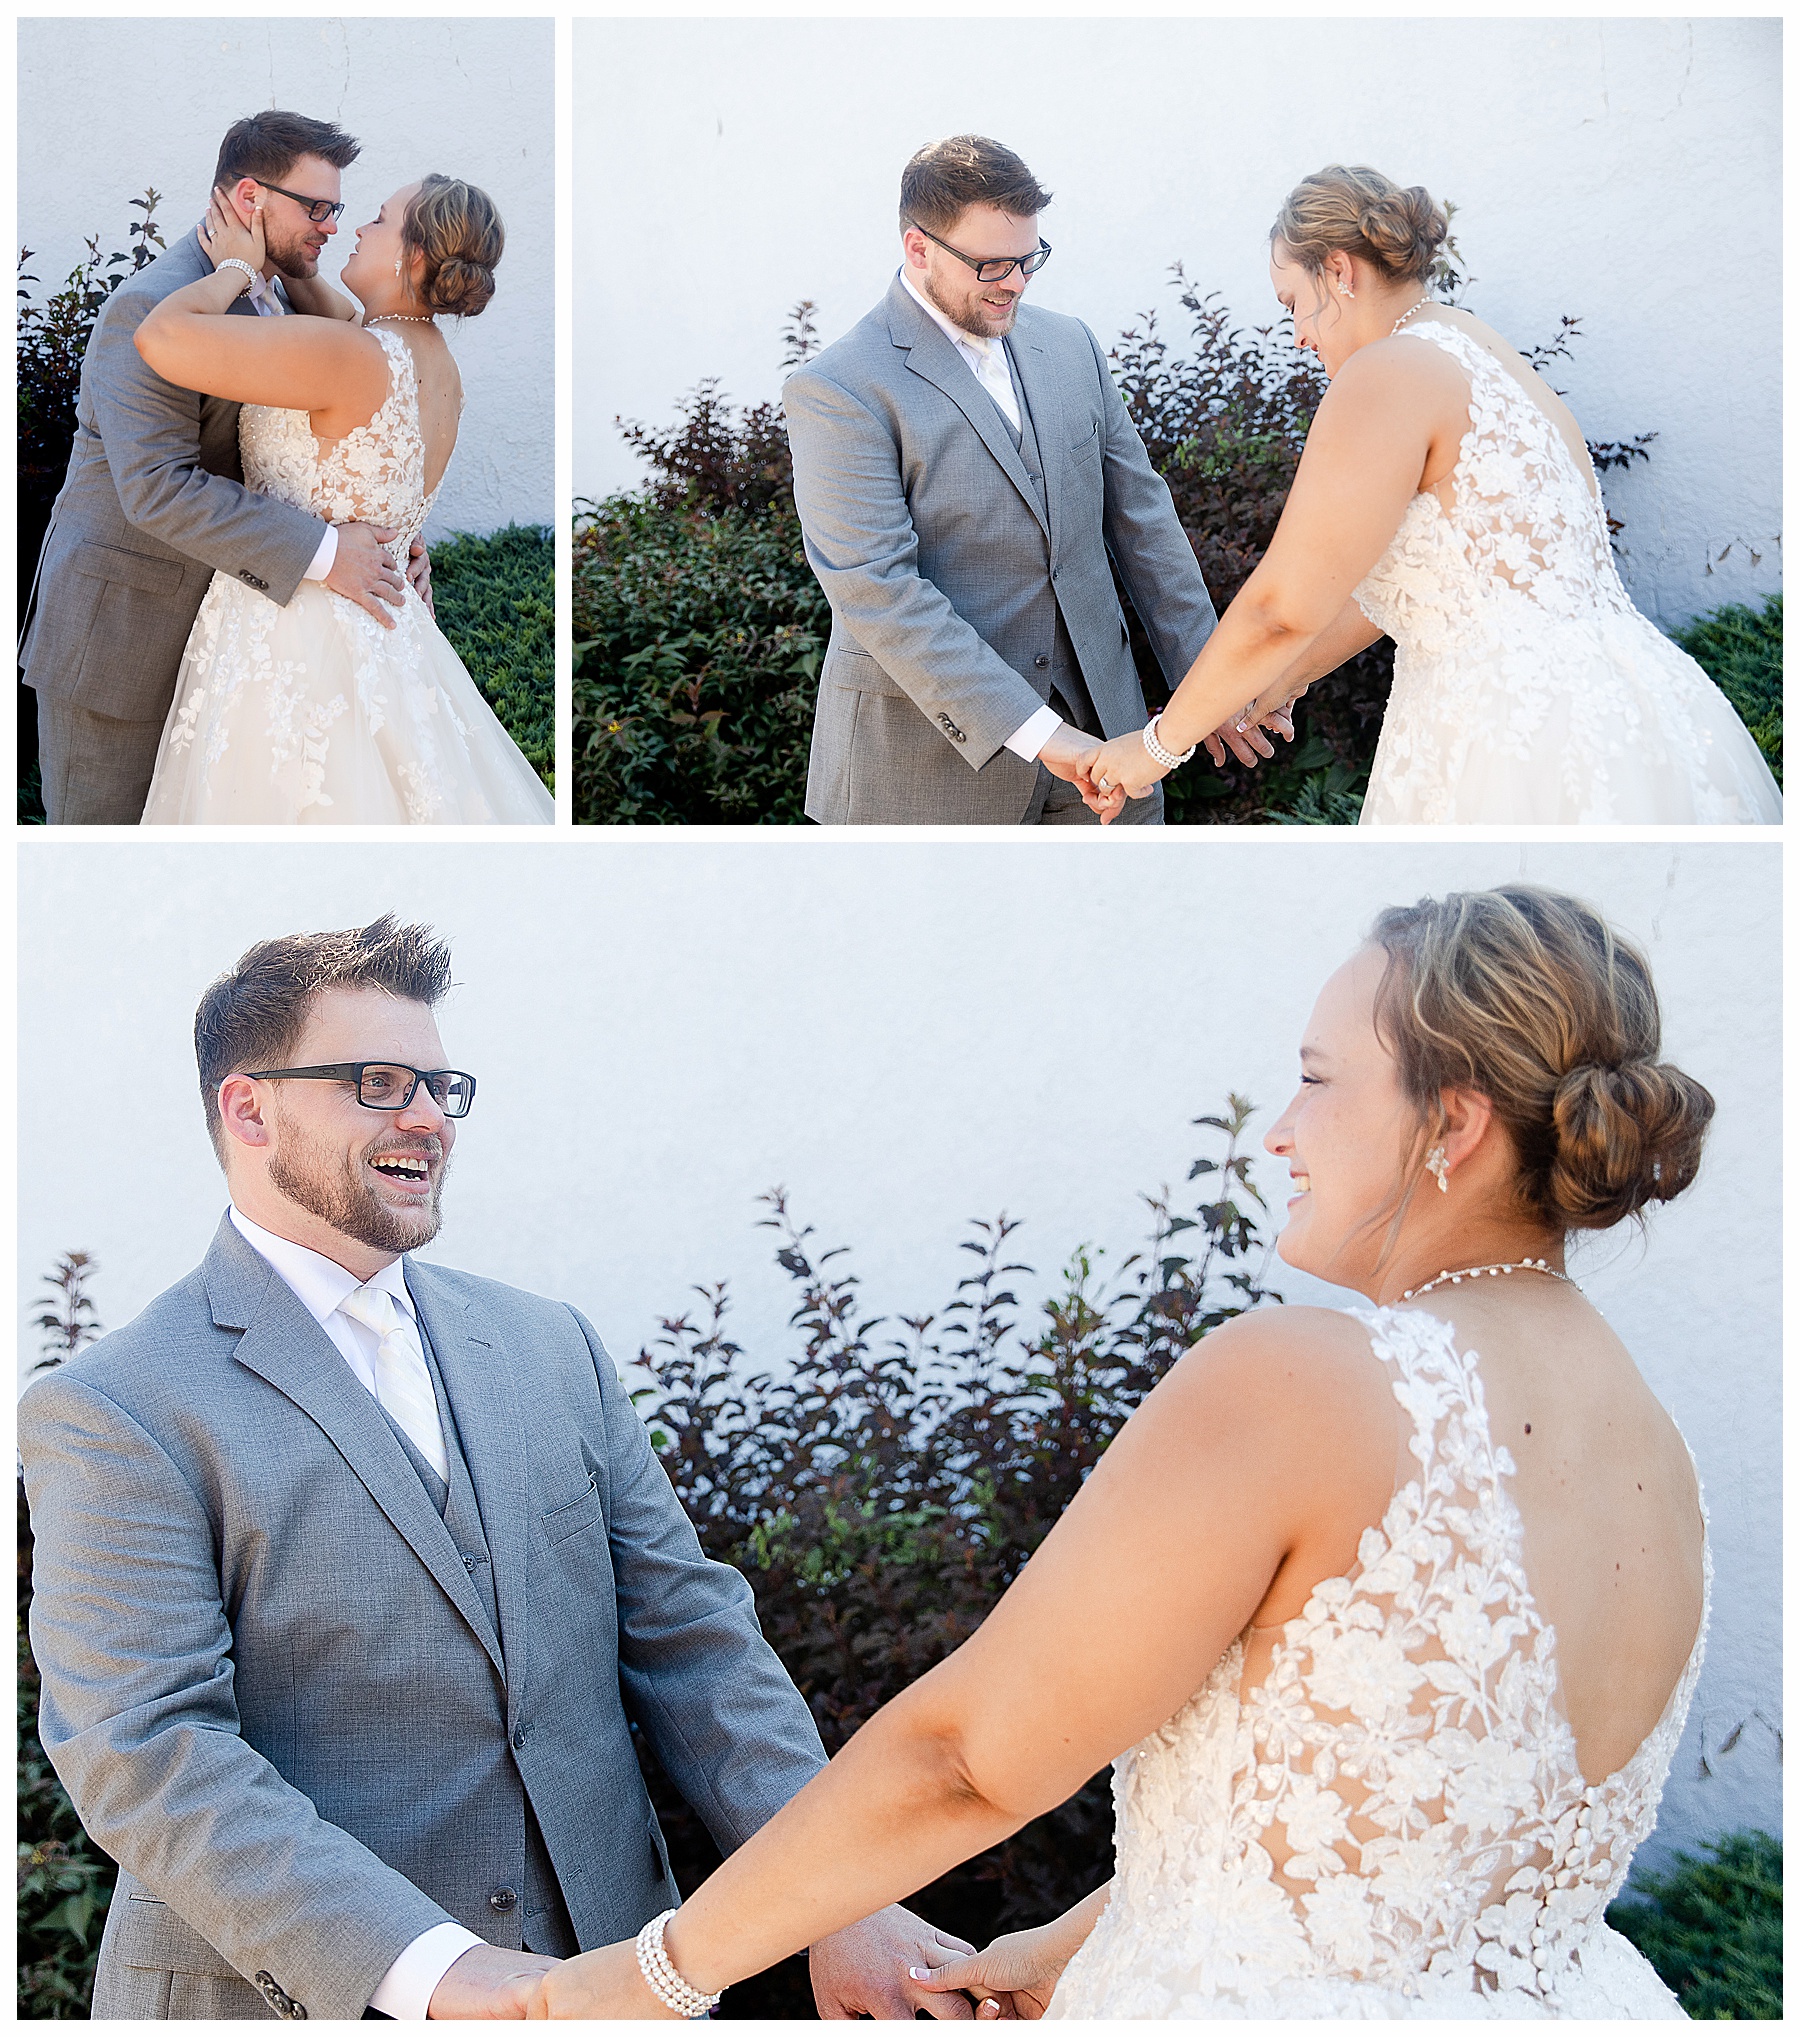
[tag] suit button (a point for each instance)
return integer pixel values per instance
(250, 580)
(503, 1899)
(518, 1736)
(1040, 663)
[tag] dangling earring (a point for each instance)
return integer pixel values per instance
(397, 260)
(1439, 1169)
(1344, 290)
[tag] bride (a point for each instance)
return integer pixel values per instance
(1388, 1618)
(317, 712)
(1446, 498)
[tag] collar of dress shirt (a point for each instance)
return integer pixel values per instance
(262, 292)
(953, 332)
(322, 1284)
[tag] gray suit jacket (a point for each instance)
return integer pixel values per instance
(153, 503)
(945, 571)
(273, 1692)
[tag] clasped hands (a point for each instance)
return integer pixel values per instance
(1107, 774)
(889, 1966)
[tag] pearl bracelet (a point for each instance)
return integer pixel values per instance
(660, 1976)
(237, 262)
(1164, 756)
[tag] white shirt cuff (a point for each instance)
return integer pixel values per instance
(1026, 742)
(408, 1985)
(325, 557)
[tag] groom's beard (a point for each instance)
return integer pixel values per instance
(330, 1185)
(969, 313)
(297, 255)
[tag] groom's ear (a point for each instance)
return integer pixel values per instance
(241, 1113)
(240, 195)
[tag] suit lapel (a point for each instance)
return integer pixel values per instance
(1044, 402)
(484, 1400)
(931, 357)
(284, 1346)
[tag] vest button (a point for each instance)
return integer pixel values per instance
(503, 1899)
(518, 1736)
(1040, 663)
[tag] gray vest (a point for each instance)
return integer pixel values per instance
(1069, 694)
(545, 1926)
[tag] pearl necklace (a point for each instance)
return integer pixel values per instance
(1405, 315)
(416, 318)
(1475, 1273)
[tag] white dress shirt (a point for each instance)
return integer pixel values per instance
(265, 303)
(321, 1284)
(987, 360)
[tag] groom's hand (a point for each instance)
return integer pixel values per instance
(1067, 754)
(418, 571)
(362, 572)
(488, 1982)
(863, 1969)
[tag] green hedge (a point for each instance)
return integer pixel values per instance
(699, 633)
(1712, 1928)
(496, 602)
(1741, 650)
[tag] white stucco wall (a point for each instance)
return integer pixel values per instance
(1622, 171)
(906, 1037)
(109, 106)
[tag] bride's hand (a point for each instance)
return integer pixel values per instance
(1122, 766)
(1014, 1978)
(225, 237)
(607, 1984)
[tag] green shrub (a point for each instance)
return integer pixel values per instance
(1741, 652)
(1712, 1927)
(496, 602)
(699, 633)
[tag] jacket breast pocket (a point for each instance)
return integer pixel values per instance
(1086, 446)
(573, 1515)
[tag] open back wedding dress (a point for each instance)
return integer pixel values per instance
(313, 712)
(1391, 1823)
(1527, 687)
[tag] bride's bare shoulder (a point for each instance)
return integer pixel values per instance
(1285, 1363)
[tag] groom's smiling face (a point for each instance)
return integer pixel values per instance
(984, 233)
(306, 1160)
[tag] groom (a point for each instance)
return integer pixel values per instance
(356, 1577)
(964, 469)
(154, 500)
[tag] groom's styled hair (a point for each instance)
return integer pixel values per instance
(946, 177)
(266, 146)
(255, 1013)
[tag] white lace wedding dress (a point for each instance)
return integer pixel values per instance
(1526, 686)
(312, 712)
(1392, 1822)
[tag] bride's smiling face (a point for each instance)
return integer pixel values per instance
(1320, 326)
(1347, 1135)
(369, 272)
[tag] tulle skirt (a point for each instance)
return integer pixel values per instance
(312, 712)
(1590, 720)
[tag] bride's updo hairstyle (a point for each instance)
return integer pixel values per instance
(458, 231)
(1362, 212)
(1530, 999)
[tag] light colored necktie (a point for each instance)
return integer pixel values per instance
(402, 1378)
(988, 359)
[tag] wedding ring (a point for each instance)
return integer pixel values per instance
(1105, 784)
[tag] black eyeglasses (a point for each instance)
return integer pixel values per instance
(998, 268)
(385, 1085)
(319, 210)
